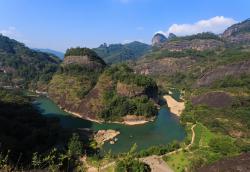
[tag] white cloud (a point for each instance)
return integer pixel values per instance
(216, 25)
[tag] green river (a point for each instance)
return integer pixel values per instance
(163, 130)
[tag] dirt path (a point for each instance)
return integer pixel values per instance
(156, 164)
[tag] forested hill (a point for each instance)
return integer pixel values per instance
(22, 66)
(115, 53)
(86, 86)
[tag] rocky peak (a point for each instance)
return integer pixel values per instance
(104, 45)
(237, 28)
(83, 56)
(158, 39)
(171, 36)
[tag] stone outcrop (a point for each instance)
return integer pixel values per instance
(238, 33)
(236, 28)
(129, 90)
(105, 135)
(195, 44)
(84, 61)
(165, 66)
(234, 69)
(158, 39)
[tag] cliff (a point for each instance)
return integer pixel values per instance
(238, 33)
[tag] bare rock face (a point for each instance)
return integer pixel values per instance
(165, 66)
(213, 99)
(158, 39)
(171, 36)
(129, 90)
(239, 163)
(195, 44)
(82, 60)
(238, 33)
(221, 72)
(105, 135)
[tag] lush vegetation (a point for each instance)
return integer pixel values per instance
(24, 67)
(178, 54)
(75, 80)
(116, 53)
(159, 150)
(129, 163)
(125, 74)
(208, 147)
(117, 106)
(233, 82)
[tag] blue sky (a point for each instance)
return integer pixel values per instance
(60, 24)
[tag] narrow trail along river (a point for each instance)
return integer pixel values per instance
(163, 130)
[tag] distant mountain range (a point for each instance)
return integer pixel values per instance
(212, 71)
(115, 53)
(50, 51)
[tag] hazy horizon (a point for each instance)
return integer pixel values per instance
(59, 25)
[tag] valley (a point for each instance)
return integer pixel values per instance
(181, 104)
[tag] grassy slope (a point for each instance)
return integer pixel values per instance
(200, 151)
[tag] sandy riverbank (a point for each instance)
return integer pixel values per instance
(125, 122)
(135, 122)
(175, 107)
(79, 116)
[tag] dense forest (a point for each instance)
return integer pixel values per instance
(24, 67)
(119, 105)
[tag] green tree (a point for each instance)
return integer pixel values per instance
(75, 147)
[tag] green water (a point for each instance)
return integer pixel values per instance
(163, 130)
